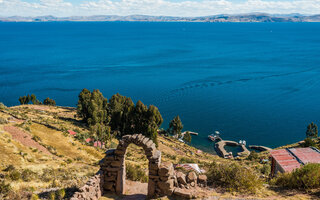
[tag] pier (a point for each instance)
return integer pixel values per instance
(192, 133)
(221, 150)
(260, 148)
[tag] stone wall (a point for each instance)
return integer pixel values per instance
(92, 190)
(113, 165)
(163, 180)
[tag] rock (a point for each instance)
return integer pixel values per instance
(183, 193)
(192, 177)
(166, 187)
(202, 180)
(166, 169)
(181, 177)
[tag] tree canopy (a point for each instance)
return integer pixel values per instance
(118, 115)
(312, 130)
(29, 98)
(175, 126)
(187, 137)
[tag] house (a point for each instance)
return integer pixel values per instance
(287, 160)
(72, 132)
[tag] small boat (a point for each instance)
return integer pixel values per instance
(214, 137)
(242, 142)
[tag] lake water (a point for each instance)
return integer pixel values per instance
(253, 81)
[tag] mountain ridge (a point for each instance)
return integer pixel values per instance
(248, 17)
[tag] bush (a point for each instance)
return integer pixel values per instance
(308, 142)
(60, 193)
(2, 106)
(307, 177)
(3, 121)
(253, 156)
(34, 197)
(52, 196)
(187, 160)
(49, 102)
(266, 169)
(234, 177)
(135, 173)
(4, 189)
(14, 175)
(9, 168)
(28, 175)
(36, 138)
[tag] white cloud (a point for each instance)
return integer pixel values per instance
(156, 7)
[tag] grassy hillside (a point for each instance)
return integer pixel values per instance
(37, 152)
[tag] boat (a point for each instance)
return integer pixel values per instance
(214, 137)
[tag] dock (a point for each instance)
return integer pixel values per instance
(260, 148)
(221, 150)
(191, 132)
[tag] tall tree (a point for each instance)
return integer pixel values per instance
(176, 126)
(121, 111)
(312, 130)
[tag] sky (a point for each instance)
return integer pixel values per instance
(62, 8)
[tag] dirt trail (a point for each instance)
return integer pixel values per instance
(135, 190)
(25, 139)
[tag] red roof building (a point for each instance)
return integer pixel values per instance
(72, 132)
(287, 160)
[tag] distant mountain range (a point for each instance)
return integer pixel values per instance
(251, 17)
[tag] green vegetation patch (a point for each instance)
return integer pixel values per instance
(234, 178)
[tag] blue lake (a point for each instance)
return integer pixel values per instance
(253, 81)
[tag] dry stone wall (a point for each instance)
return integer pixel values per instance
(163, 179)
(92, 190)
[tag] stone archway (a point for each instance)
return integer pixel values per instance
(161, 176)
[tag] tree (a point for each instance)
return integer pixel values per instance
(33, 98)
(187, 137)
(93, 107)
(49, 102)
(24, 100)
(312, 130)
(176, 126)
(120, 115)
(308, 142)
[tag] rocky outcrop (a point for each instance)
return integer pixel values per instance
(92, 190)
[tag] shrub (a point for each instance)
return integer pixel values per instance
(3, 121)
(308, 142)
(187, 160)
(307, 177)
(68, 161)
(253, 156)
(14, 175)
(27, 175)
(49, 102)
(234, 177)
(2, 106)
(60, 193)
(34, 197)
(135, 173)
(266, 169)
(9, 168)
(52, 196)
(4, 188)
